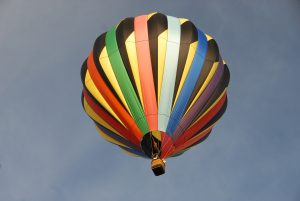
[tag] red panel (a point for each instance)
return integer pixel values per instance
(191, 141)
(145, 71)
(167, 146)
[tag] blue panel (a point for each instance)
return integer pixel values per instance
(189, 83)
(169, 76)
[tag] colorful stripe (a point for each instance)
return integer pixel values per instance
(145, 70)
(200, 103)
(124, 81)
(189, 83)
(169, 76)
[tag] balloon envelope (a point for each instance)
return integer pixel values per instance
(154, 85)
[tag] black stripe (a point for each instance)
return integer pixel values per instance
(123, 31)
(188, 36)
(211, 57)
(217, 92)
(83, 71)
(196, 143)
(82, 100)
(157, 24)
(98, 104)
(118, 138)
(83, 74)
(98, 47)
(212, 53)
(201, 140)
(215, 118)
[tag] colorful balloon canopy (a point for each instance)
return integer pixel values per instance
(154, 85)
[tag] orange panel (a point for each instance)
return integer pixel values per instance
(111, 99)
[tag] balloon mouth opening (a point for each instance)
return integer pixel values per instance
(151, 144)
(158, 166)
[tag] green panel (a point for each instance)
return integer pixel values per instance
(124, 81)
(180, 153)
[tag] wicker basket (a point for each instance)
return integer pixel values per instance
(158, 166)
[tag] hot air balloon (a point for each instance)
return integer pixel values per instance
(155, 85)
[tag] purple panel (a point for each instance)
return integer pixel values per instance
(200, 103)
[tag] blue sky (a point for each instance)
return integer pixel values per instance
(50, 151)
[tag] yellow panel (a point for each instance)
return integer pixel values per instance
(109, 139)
(131, 51)
(157, 135)
(188, 63)
(150, 15)
(108, 70)
(183, 20)
(94, 91)
(97, 118)
(208, 37)
(204, 85)
(213, 105)
(162, 49)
